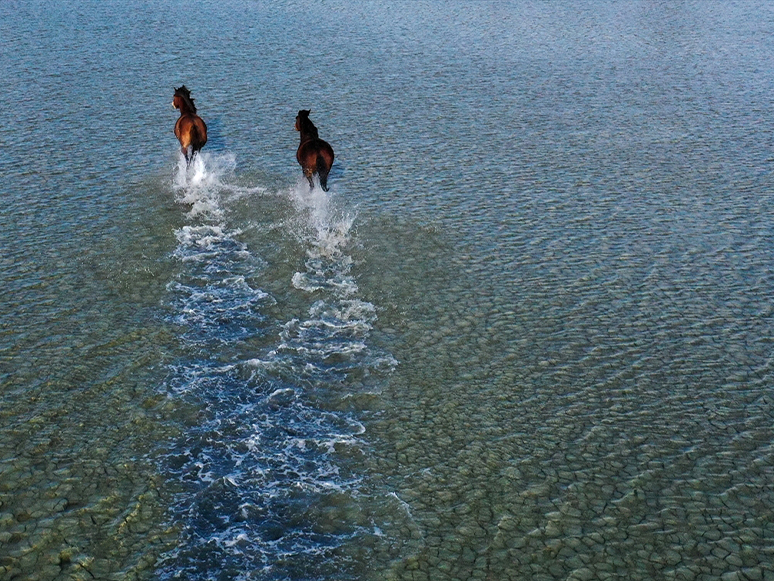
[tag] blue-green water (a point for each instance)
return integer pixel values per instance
(527, 335)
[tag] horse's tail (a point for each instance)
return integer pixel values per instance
(322, 171)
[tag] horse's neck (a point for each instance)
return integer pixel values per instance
(185, 109)
(309, 135)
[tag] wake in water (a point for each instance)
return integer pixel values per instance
(268, 486)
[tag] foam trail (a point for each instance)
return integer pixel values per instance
(327, 233)
(213, 295)
(339, 323)
(266, 470)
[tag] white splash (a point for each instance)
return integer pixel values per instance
(204, 184)
(330, 230)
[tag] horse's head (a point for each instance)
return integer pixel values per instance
(302, 118)
(182, 100)
(305, 125)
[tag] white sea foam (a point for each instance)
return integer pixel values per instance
(267, 436)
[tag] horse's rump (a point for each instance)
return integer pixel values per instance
(311, 154)
(191, 131)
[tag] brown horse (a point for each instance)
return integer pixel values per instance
(190, 130)
(314, 154)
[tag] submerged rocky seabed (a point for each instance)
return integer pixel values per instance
(80, 529)
(534, 452)
(77, 499)
(81, 496)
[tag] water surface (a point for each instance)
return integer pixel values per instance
(527, 335)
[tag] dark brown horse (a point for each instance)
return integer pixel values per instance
(314, 154)
(190, 130)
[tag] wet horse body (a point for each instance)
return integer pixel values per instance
(190, 129)
(314, 155)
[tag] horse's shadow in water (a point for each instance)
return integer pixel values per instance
(314, 155)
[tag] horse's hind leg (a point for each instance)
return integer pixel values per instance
(310, 176)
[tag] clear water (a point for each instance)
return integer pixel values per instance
(527, 335)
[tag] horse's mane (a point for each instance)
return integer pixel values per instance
(305, 124)
(185, 94)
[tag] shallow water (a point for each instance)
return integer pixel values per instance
(526, 335)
